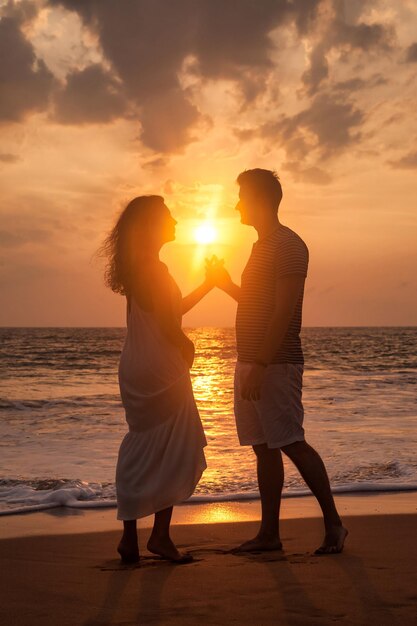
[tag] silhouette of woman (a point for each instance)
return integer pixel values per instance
(161, 458)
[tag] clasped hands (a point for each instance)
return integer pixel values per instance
(251, 382)
(216, 274)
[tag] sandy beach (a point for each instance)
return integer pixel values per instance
(55, 576)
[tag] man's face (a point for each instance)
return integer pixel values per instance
(247, 205)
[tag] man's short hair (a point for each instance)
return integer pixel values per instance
(266, 181)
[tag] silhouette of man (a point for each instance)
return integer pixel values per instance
(269, 371)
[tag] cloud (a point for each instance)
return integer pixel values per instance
(411, 53)
(193, 200)
(22, 11)
(357, 84)
(327, 126)
(314, 175)
(157, 59)
(158, 130)
(91, 95)
(148, 42)
(318, 70)
(407, 162)
(362, 36)
(343, 37)
(14, 239)
(7, 157)
(25, 81)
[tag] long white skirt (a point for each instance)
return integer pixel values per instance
(161, 458)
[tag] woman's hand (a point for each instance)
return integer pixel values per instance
(216, 274)
(188, 351)
(210, 272)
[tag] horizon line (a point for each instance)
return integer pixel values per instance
(217, 326)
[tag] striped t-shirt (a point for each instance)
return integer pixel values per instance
(279, 254)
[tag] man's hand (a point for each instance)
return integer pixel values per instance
(216, 274)
(252, 381)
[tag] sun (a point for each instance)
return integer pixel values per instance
(204, 234)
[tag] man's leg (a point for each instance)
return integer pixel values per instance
(270, 480)
(312, 469)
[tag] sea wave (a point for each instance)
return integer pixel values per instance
(17, 496)
(95, 401)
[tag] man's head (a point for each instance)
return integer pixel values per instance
(260, 194)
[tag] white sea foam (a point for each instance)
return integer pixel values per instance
(25, 499)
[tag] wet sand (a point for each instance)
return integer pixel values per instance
(76, 578)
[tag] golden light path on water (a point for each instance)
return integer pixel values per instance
(212, 377)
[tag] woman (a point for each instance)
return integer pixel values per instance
(161, 458)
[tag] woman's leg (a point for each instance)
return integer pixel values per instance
(161, 543)
(128, 547)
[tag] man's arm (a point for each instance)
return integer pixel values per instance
(221, 278)
(232, 290)
(288, 291)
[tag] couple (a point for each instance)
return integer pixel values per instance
(161, 458)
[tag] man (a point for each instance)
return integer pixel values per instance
(268, 377)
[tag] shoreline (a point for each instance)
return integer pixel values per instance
(67, 520)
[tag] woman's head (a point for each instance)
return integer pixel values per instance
(140, 231)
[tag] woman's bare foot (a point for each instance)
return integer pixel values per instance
(129, 552)
(334, 540)
(165, 548)
(260, 543)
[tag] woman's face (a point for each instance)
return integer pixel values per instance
(164, 225)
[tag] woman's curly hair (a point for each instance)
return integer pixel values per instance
(127, 238)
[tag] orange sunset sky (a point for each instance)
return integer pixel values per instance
(102, 100)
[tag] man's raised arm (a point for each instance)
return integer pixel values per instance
(217, 273)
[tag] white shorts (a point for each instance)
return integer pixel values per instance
(277, 417)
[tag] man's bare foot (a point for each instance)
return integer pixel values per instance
(167, 550)
(259, 544)
(129, 552)
(334, 540)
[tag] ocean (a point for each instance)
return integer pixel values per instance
(61, 420)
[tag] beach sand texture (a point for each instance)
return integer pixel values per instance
(77, 579)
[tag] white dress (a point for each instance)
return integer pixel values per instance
(161, 458)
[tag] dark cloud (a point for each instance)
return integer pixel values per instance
(245, 134)
(148, 42)
(362, 36)
(324, 129)
(327, 126)
(22, 11)
(91, 95)
(25, 81)
(357, 84)
(407, 162)
(314, 175)
(353, 84)
(411, 53)
(318, 70)
(304, 13)
(168, 121)
(156, 163)
(7, 157)
(345, 37)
